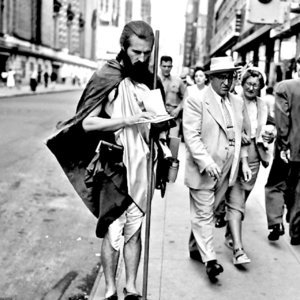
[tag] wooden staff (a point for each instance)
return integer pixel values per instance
(150, 183)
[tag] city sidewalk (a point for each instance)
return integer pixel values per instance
(274, 272)
(24, 90)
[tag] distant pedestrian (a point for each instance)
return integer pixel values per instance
(200, 80)
(269, 99)
(53, 78)
(33, 80)
(190, 77)
(11, 78)
(46, 79)
(174, 91)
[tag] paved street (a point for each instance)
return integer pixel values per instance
(48, 246)
(273, 274)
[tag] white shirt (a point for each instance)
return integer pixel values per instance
(227, 103)
(252, 113)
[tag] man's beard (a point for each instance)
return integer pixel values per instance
(138, 71)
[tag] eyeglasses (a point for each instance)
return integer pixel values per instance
(224, 77)
(252, 85)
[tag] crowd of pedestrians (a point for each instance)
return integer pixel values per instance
(228, 128)
(267, 137)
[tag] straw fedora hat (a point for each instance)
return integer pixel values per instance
(221, 64)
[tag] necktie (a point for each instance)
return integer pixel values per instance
(228, 122)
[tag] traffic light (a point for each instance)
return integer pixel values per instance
(265, 11)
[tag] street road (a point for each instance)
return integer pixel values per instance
(48, 246)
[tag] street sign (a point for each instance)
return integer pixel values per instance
(265, 11)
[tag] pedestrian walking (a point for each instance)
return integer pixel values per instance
(195, 91)
(269, 99)
(33, 80)
(276, 195)
(174, 91)
(46, 79)
(113, 181)
(212, 126)
(53, 78)
(200, 80)
(258, 152)
(11, 78)
(287, 107)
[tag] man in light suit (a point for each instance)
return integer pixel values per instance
(287, 107)
(212, 127)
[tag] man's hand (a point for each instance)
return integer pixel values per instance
(175, 112)
(285, 155)
(213, 171)
(139, 118)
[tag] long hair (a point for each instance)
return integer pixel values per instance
(139, 28)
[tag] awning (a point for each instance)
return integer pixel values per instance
(252, 37)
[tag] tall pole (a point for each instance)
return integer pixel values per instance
(150, 183)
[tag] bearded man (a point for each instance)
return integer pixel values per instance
(113, 183)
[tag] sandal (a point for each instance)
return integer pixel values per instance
(240, 257)
(131, 296)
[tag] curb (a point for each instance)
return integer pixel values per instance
(40, 93)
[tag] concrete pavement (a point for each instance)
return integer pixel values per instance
(24, 90)
(274, 272)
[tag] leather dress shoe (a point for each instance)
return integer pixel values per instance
(213, 269)
(295, 241)
(277, 231)
(220, 221)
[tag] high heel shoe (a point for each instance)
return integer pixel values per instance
(240, 257)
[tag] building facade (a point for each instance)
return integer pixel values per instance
(232, 29)
(47, 36)
(113, 15)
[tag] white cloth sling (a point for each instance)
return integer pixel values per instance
(134, 139)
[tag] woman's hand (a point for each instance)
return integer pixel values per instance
(247, 174)
(246, 140)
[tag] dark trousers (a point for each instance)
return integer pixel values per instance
(276, 190)
(293, 197)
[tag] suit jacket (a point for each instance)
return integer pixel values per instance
(287, 112)
(206, 138)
